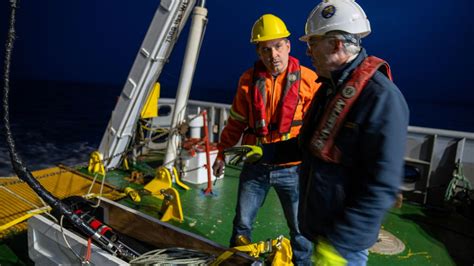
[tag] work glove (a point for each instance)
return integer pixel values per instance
(253, 154)
(244, 153)
(218, 167)
(326, 255)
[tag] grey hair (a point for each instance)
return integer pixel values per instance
(351, 41)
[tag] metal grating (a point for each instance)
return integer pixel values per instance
(16, 196)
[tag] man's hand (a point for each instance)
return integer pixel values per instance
(218, 167)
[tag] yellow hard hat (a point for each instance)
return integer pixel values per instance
(268, 27)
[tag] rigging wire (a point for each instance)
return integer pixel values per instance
(65, 239)
(180, 129)
(174, 255)
(132, 147)
(24, 174)
(89, 192)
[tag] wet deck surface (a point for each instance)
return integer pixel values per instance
(431, 237)
(211, 215)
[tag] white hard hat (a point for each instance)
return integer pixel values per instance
(337, 15)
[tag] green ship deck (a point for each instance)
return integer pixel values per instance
(430, 237)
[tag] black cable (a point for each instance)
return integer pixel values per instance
(25, 175)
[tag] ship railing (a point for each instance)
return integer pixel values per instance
(435, 153)
(217, 116)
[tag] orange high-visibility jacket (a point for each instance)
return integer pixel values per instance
(241, 119)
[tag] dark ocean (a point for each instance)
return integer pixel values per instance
(63, 122)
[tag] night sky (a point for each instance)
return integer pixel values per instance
(428, 43)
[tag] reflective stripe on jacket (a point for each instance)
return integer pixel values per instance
(241, 117)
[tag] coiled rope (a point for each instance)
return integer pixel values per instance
(173, 256)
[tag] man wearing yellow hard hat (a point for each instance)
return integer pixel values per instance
(267, 110)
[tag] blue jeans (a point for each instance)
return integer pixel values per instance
(355, 258)
(255, 182)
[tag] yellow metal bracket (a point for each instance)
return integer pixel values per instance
(161, 181)
(178, 179)
(96, 164)
(171, 206)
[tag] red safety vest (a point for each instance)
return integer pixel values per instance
(288, 103)
(322, 142)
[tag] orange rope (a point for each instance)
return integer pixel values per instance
(88, 251)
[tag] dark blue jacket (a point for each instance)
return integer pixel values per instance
(346, 202)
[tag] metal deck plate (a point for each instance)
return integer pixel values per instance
(387, 244)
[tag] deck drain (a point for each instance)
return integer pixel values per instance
(387, 244)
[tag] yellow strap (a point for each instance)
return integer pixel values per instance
(224, 256)
(28, 215)
(281, 249)
(133, 194)
(253, 250)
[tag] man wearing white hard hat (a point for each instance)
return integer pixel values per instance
(353, 138)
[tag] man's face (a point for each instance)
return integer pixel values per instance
(320, 51)
(274, 54)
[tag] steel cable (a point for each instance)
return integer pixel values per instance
(22, 171)
(173, 256)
